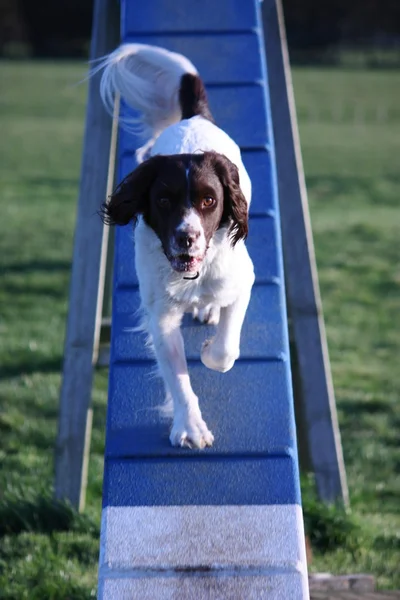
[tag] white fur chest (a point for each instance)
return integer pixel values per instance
(225, 269)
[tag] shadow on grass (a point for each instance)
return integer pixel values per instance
(40, 439)
(387, 542)
(326, 187)
(47, 550)
(30, 363)
(328, 526)
(42, 514)
(352, 407)
(37, 265)
(20, 291)
(53, 182)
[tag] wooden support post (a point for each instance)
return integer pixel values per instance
(75, 415)
(101, 350)
(107, 302)
(107, 252)
(304, 303)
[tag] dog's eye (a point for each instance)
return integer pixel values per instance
(207, 202)
(163, 202)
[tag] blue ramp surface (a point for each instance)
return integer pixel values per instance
(181, 523)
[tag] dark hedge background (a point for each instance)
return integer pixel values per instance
(317, 29)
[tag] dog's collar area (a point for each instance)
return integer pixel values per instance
(193, 278)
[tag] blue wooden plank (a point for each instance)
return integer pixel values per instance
(218, 58)
(261, 378)
(127, 164)
(251, 400)
(239, 110)
(201, 480)
(154, 16)
(258, 165)
(263, 334)
(261, 244)
(124, 266)
(249, 409)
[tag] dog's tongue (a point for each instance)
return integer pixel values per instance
(185, 263)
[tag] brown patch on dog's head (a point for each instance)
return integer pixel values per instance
(185, 199)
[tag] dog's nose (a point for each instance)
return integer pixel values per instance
(186, 239)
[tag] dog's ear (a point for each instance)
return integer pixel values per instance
(130, 198)
(235, 204)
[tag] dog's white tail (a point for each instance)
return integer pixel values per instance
(148, 78)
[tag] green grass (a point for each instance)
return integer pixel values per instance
(353, 182)
(41, 119)
(47, 550)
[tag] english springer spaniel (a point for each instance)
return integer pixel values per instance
(189, 199)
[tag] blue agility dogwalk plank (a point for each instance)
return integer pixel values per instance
(225, 522)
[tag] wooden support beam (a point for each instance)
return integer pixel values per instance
(302, 288)
(107, 252)
(88, 264)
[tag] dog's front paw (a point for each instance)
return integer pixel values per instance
(208, 315)
(191, 432)
(217, 358)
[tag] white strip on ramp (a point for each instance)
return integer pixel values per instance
(162, 552)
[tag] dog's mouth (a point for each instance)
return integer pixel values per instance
(184, 263)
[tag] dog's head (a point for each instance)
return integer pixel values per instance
(185, 199)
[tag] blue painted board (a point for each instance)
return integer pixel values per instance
(249, 408)
(263, 334)
(154, 16)
(258, 165)
(239, 110)
(252, 397)
(201, 479)
(261, 245)
(217, 58)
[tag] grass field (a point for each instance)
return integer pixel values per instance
(352, 168)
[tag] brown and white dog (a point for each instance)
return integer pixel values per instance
(189, 201)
